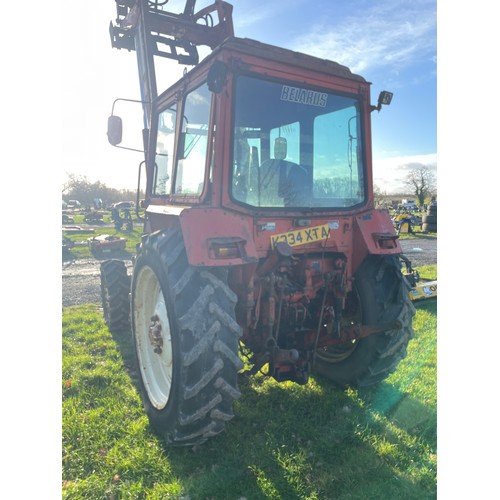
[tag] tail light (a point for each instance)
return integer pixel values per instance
(385, 240)
(226, 248)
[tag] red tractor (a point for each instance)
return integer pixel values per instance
(261, 241)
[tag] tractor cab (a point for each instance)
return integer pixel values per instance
(253, 127)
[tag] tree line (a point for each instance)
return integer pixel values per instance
(78, 187)
(420, 183)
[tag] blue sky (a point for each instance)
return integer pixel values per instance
(392, 43)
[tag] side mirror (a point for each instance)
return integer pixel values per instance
(115, 129)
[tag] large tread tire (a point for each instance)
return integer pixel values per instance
(384, 297)
(429, 228)
(430, 219)
(189, 388)
(115, 295)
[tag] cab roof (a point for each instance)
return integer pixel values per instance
(287, 56)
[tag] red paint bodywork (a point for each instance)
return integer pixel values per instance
(219, 232)
(214, 214)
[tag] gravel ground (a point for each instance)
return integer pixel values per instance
(81, 277)
(81, 282)
(420, 251)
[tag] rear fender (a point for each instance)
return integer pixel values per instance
(160, 217)
(215, 237)
(374, 234)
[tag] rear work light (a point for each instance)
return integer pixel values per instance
(384, 98)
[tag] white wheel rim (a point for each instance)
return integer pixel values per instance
(156, 367)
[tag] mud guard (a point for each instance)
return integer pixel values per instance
(374, 234)
(215, 237)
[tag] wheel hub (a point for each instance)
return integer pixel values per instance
(155, 334)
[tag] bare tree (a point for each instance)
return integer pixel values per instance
(421, 181)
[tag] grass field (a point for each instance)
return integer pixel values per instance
(285, 442)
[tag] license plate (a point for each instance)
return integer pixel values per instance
(302, 236)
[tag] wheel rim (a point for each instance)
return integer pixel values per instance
(340, 352)
(337, 353)
(153, 338)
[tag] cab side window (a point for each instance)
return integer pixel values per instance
(164, 152)
(193, 142)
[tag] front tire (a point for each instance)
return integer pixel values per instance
(383, 296)
(115, 289)
(186, 341)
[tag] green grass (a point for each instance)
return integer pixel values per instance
(285, 442)
(81, 249)
(417, 234)
(427, 272)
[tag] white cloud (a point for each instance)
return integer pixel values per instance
(389, 173)
(388, 35)
(252, 17)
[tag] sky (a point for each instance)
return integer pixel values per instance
(392, 43)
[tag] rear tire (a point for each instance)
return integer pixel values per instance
(186, 341)
(383, 294)
(115, 288)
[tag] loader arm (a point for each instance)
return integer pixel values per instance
(144, 26)
(167, 32)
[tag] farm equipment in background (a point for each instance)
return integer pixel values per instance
(260, 234)
(403, 223)
(106, 243)
(67, 245)
(424, 289)
(120, 220)
(421, 288)
(93, 216)
(67, 219)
